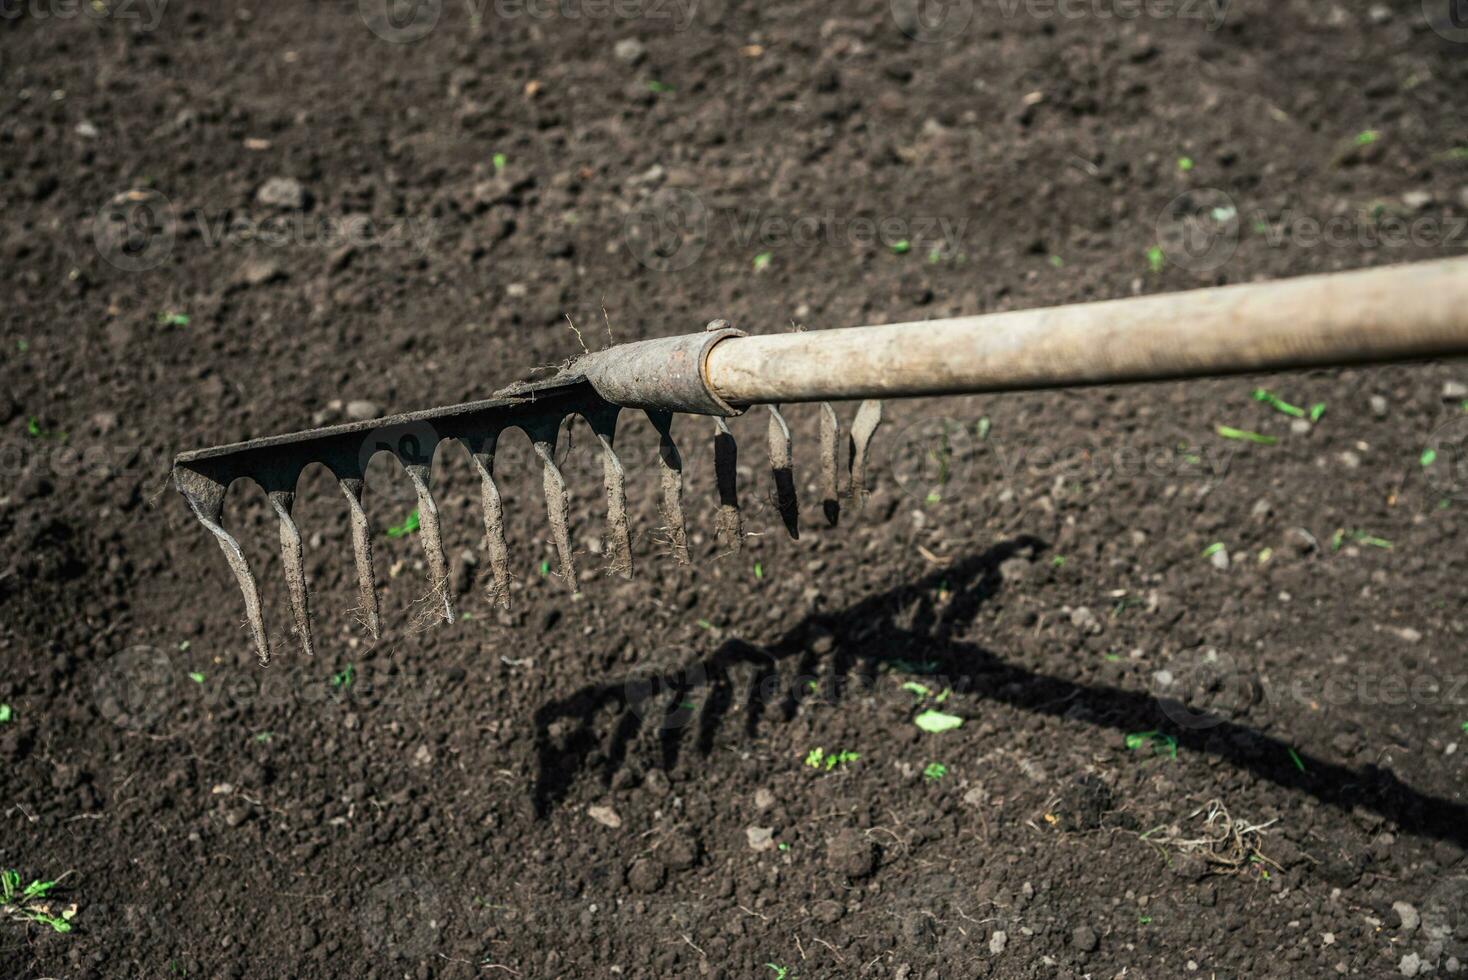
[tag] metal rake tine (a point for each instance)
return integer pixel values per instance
(782, 467)
(362, 551)
(670, 462)
(293, 558)
(438, 568)
(604, 424)
(830, 471)
(498, 591)
(557, 504)
(206, 499)
(726, 468)
(868, 418)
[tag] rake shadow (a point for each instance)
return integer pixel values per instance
(892, 629)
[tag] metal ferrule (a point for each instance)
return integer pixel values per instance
(668, 374)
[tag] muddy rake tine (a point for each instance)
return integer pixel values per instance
(868, 419)
(206, 500)
(670, 466)
(292, 557)
(619, 538)
(498, 591)
(362, 553)
(438, 569)
(557, 502)
(783, 472)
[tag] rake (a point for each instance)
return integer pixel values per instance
(1387, 314)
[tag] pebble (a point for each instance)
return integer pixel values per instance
(646, 876)
(1417, 200)
(1084, 620)
(850, 853)
(1410, 965)
(1379, 13)
(763, 799)
(1350, 460)
(1219, 559)
(680, 849)
(86, 130)
(1378, 406)
(1084, 938)
(1407, 916)
(423, 756)
(1300, 427)
(258, 272)
(1454, 391)
(760, 838)
(282, 192)
(629, 50)
(605, 816)
(998, 941)
(827, 911)
(361, 411)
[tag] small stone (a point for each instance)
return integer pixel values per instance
(1301, 541)
(998, 941)
(828, 912)
(1350, 460)
(657, 783)
(1454, 391)
(1219, 559)
(86, 130)
(680, 849)
(1300, 427)
(760, 838)
(629, 50)
(1084, 938)
(605, 816)
(236, 816)
(423, 756)
(646, 876)
(1084, 620)
(1378, 406)
(851, 853)
(1417, 200)
(259, 272)
(1410, 965)
(282, 192)
(763, 799)
(1379, 13)
(1407, 916)
(361, 410)
(1407, 635)
(103, 422)
(1013, 570)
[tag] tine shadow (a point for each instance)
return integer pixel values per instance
(900, 628)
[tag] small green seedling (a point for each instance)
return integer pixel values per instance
(1057, 262)
(343, 678)
(22, 345)
(1295, 758)
(1428, 457)
(759, 571)
(1244, 435)
(935, 771)
(1058, 561)
(1340, 537)
(499, 160)
(937, 721)
(5, 714)
(1277, 403)
(659, 88)
(1465, 726)
(817, 758)
(29, 904)
(1316, 411)
(1213, 549)
(762, 261)
(1167, 743)
(406, 528)
(196, 676)
(919, 691)
(545, 568)
(173, 320)
(1185, 164)
(264, 738)
(1367, 137)
(901, 247)
(1156, 258)
(781, 972)
(982, 428)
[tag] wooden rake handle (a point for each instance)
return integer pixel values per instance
(1393, 313)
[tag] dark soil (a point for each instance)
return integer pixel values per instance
(616, 784)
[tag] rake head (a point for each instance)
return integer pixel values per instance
(659, 378)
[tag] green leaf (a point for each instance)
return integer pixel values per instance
(762, 261)
(937, 721)
(1213, 549)
(406, 528)
(935, 771)
(1185, 164)
(173, 320)
(1244, 435)
(10, 879)
(1156, 259)
(921, 690)
(5, 713)
(1278, 404)
(1295, 758)
(901, 247)
(499, 160)
(37, 889)
(1428, 457)
(196, 677)
(658, 88)
(1316, 411)
(1367, 137)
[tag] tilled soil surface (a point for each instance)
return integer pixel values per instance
(1212, 690)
